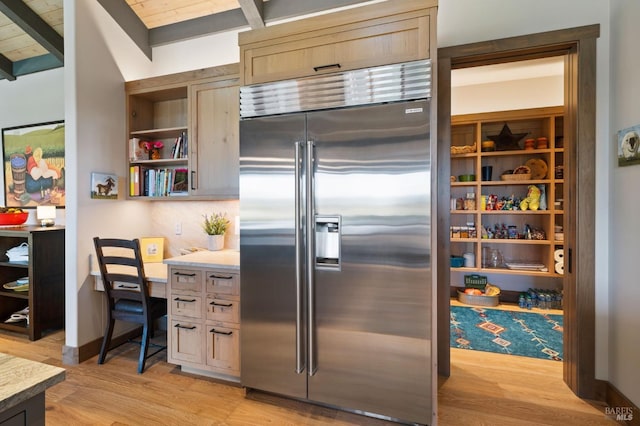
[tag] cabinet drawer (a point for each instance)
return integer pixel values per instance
(186, 305)
(223, 283)
(183, 279)
(223, 348)
(223, 310)
(186, 342)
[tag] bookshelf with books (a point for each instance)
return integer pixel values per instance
(165, 156)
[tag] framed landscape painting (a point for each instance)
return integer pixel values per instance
(33, 158)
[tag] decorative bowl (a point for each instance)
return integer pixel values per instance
(466, 178)
(13, 218)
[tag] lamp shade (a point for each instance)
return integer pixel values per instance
(46, 215)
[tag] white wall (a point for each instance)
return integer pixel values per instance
(470, 21)
(624, 291)
(30, 99)
(94, 103)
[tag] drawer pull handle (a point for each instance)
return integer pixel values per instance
(221, 277)
(182, 274)
(177, 299)
(226, 333)
(128, 286)
(224, 305)
(326, 67)
(193, 327)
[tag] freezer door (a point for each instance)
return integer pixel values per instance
(372, 340)
(268, 256)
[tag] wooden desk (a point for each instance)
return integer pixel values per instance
(22, 386)
(156, 277)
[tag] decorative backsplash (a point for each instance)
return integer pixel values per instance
(166, 215)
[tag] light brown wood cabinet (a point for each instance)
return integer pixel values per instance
(199, 108)
(384, 33)
(204, 320)
(470, 218)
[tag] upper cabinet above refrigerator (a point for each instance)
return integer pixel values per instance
(384, 33)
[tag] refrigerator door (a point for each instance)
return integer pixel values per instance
(371, 340)
(270, 338)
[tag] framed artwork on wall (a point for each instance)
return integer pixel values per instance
(33, 158)
(629, 146)
(104, 186)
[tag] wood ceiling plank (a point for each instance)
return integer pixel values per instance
(155, 13)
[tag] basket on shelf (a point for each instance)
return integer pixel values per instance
(478, 300)
(519, 176)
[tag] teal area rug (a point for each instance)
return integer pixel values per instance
(507, 332)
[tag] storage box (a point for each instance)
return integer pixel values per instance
(457, 261)
(475, 281)
(480, 300)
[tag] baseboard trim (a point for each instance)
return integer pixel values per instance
(72, 355)
(620, 408)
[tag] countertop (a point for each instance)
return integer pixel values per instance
(22, 379)
(221, 259)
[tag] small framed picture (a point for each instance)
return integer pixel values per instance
(152, 249)
(104, 186)
(629, 146)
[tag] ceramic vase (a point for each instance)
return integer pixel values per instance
(215, 242)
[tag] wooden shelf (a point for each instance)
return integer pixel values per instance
(169, 132)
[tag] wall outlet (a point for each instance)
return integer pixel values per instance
(178, 228)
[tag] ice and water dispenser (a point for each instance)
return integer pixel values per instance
(328, 232)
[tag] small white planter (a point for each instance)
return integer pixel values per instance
(215, 242)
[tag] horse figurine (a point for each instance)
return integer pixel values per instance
(107, 187)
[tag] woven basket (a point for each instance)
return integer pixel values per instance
(519, 176)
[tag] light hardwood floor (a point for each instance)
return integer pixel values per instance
(484, 389)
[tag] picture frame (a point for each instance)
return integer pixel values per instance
(152, 249)
(629, 146)
(34, 167)
(104, 186)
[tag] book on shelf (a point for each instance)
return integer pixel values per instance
(179, 149)
(180, 182)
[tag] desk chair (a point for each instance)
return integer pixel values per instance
(127, 292)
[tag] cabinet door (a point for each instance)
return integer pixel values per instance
(215, 143)
(186, 342)
(223, 348)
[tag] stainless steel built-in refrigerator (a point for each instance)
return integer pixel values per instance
(335, 240)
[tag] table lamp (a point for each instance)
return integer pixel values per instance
(46, 215)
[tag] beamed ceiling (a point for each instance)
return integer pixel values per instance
(31, 31)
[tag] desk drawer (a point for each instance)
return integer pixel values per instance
(223, 310)
(225, 283)
(185, 305)
(186, 342)
(184, 279)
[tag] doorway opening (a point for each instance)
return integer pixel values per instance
(578, 48)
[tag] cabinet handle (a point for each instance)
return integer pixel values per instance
(226, 333)
(182, 274)
(177, 299)
(224, 305)
(326, 67)
(193, 179)
(220, 277)
(193, 327)
(127, 286)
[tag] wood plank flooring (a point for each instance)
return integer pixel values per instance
(484, 389)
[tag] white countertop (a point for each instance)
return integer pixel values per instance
(221, 259)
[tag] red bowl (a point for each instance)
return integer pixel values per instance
(13, 218)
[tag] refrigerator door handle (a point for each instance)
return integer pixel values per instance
(300, 358)
(311, 257)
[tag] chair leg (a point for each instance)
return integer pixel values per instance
(144, 348)
(106, 341)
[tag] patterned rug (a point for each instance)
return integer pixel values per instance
(507, 332)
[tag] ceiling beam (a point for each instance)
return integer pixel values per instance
(6, 68)
(130, 23)
(32, 24)
(252, 10)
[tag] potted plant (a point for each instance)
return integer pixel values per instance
(215, 226)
